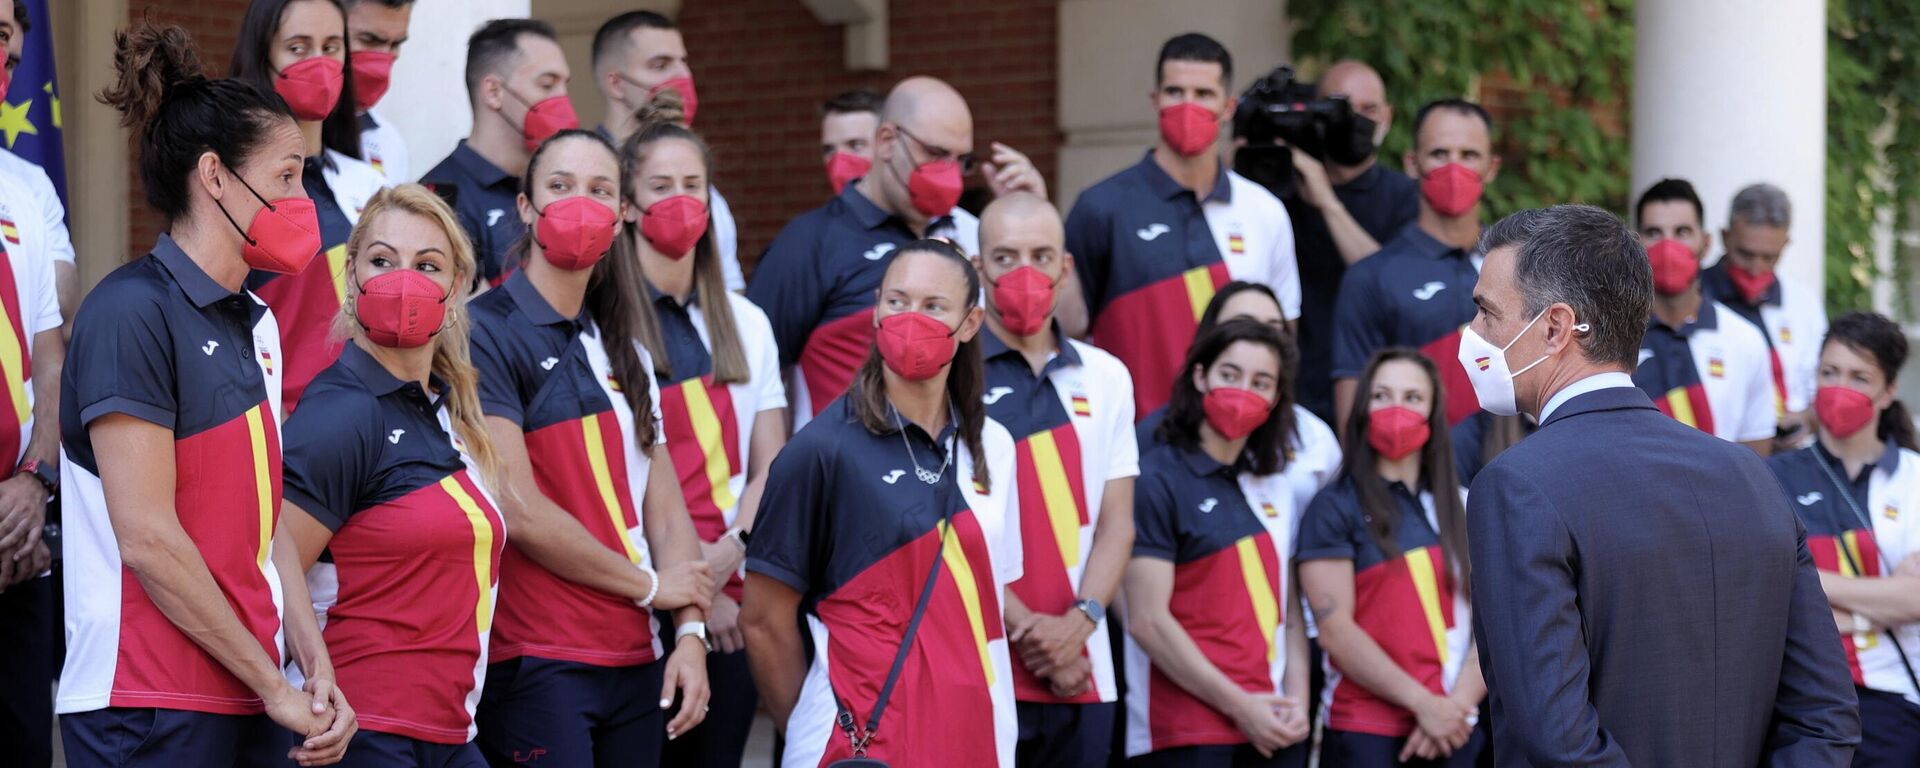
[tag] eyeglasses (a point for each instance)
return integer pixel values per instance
(967, 161)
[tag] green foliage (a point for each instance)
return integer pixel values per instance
(1873, 84)
(1555, 75)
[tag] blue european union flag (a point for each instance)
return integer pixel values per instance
(30, 114)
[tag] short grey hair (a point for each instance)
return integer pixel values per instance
(1588, 259)
(1763, 204)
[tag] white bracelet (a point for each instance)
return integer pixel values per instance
(734, 533)
(653, 587)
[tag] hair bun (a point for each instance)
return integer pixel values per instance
(150, 62)
(666, 106)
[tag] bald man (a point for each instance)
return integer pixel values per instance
(1070, 407)
(1342, 214)
(818, 278)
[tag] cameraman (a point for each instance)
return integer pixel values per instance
(1342, 212)
(1153, 242)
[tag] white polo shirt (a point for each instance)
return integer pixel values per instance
(1713, 373)
(33, 237)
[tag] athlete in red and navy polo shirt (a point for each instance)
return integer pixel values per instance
(1384, 568)
(902, 477)
(385, 499)
(1856, 490)
(1072, 405)
(1417, 291)
(1153, 242)
(1216, 658)
(721, 398)
(171, 464)
(817, 280)
(575, 658)
(311, 79)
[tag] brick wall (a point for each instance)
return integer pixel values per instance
(764, 66)
(213, 23)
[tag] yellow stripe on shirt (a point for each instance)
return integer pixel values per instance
(1057, 493)
(262, 479)
(956, 557)
(1266, 610)
(482, 549)
(603, 482)
(712, 438)
(1420, 567)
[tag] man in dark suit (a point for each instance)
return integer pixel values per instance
(1642, 593)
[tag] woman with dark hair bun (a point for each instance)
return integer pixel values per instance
(298, 50)
(1857, 489)
(892, 545)
(170, 418)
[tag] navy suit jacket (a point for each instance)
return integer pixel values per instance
(1643, 594)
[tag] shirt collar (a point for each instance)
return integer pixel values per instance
(655, 295)
(1889, 460)
(1704, 318)
(1417, 239)
(1167, 188)
(991, 347)
(367, 121)
(1594, 383)
(1201, 465)
(528, 298)
(478, 167)
(872, 216)
(200, 287)
(375, 376)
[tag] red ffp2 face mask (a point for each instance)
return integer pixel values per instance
(673, 225)
(401, 309)
(550, 116)
(1452, 189)
(1024, 300)
(843, 168)
(1235, 412)
(1396, 432)
(1190, 129)
(575, 232)
(311, 87)
(1844, 411)
(283, 236)
(914, 345)
(372, 73)
(1752, 286)
(1674, 267)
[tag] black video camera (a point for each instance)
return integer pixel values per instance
(1281, 107)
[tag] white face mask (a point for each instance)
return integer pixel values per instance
(1486, 367)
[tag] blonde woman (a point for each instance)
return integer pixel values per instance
(388, 463)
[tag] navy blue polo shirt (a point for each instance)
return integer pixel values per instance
(551, 376)
(416, 547)
(817, 283)
(1226, 533)
(485, 199)
(161, 341)
(371, 438)
(1415, 292)
(1406, 601)
(1383, 202)
(855, 534)
(1469, 443)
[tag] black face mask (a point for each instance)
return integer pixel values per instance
(1356, 146)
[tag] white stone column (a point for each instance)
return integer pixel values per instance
(428, 98)
(1731, 92)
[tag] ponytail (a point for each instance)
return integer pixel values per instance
(1896, 424)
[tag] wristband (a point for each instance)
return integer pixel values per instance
(695, 628)
(739, 537)
(653, 587)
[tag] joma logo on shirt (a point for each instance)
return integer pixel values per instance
(878, 252)
(892, 477)
(1206, 507)
(394, 437)
(1809, 499)
(1153, 231)
(994, 395)
(1427, 292)
(210, 347)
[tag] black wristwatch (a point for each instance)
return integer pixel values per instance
(1093, 609)
(42, 473)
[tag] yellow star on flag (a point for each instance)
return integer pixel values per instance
(13, 120)
(56, 106)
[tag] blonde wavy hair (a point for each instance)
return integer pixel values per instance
(452, 360)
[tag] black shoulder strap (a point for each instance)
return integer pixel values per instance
(846, 721)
